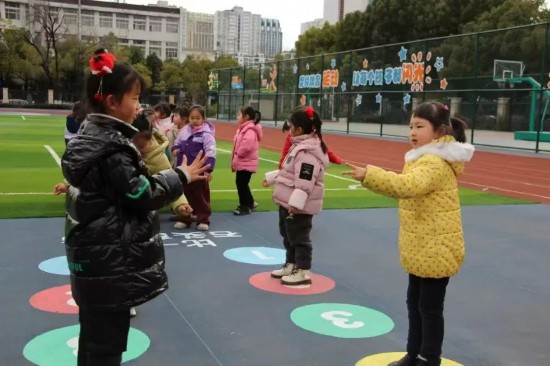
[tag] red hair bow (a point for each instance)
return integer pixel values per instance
(102, 63)
(309, 112)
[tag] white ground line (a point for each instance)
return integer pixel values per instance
(53, 154)
(276, 162)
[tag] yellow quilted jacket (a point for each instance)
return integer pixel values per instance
(431, 242)
(155, 159)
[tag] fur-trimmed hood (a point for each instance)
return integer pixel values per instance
(448, 149)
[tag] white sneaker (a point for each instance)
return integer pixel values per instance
(297, 277)
(180, 225)
(133, 312)
(202, 227)
(285, 270)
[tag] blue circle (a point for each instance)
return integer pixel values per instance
(256, 255)
(57, 265)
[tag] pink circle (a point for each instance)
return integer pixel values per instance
(55, 300)
(264, 281)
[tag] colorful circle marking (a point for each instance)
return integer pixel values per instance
(57, 265)
(386, 358)
(60, 347)
(342, 320)
(319, 284)
(256, 255)
(55, 300)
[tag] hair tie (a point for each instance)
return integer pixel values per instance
(101, 63)
(309, 112)
(445, 107)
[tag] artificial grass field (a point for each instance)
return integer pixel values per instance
(28, 173)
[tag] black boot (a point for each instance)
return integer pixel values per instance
(408, 360)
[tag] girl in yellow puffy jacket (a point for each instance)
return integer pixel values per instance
(431, 242)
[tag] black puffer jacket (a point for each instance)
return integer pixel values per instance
(114, 250)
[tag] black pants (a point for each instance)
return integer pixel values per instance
(425, 298)
(295, 231)
(242, 179)
(103, 337)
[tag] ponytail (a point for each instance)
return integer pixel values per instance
(459, 129)
(257, 117)
(317, 125)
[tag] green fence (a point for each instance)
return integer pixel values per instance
(498, 81)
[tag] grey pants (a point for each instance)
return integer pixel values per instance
(295, 231)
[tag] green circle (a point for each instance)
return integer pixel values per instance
(59, 347)
(342, 320)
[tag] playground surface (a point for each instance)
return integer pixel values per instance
(223, 309)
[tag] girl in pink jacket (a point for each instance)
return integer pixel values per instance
(299, 190)
(244, 160)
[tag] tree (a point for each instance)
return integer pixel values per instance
(195, 78)
(352, 32)
(43, 33)
(18, 60)
(154, 63)
(172, 74)
(131, 54)
(316, 41)
(145, 73)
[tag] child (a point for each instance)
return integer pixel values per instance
(245, 156)
(332, 157)
(180, 117)
(431, 243)
(152, 145)
(195, 137)
(163, 120)
(73, 122)
(299, 189)
(112, 241)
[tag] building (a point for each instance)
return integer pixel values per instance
(168, 31)
(271, 37)
(317, 23)
(200, 32)
(336, 10)
(237, 31)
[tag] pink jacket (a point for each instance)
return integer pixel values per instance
(245, 147)
(300, 182)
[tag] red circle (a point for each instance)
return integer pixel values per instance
(55, 300)
(264, 281)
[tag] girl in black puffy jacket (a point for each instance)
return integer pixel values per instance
(114, 250)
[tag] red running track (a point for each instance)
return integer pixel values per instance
(526, 177)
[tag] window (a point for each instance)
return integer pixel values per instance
(155, 24)
(13, 11)
(139, 22)
(70, 16)
(172, 44)
(105, 20)
(155, 50)
(123, 41)
(138, 42)
(172, 27)
(155, 43)
(171, 53)
(88, 39)
(122, 21)
(87, 18)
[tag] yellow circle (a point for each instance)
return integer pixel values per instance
(383, 359)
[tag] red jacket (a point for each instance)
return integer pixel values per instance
(332, 157)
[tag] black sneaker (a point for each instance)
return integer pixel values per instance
(408, 360)
(254, 206)
(241, 211)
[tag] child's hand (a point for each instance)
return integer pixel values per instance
(196, 168)
(60, 188)
(265, 184)
(357, 173)
(175, 152)
(209, 177)
(292, 210)
(184, 210)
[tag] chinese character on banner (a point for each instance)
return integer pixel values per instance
(199, 243)
(193, 235)
(225, 234)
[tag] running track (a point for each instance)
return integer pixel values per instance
(509, 175)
